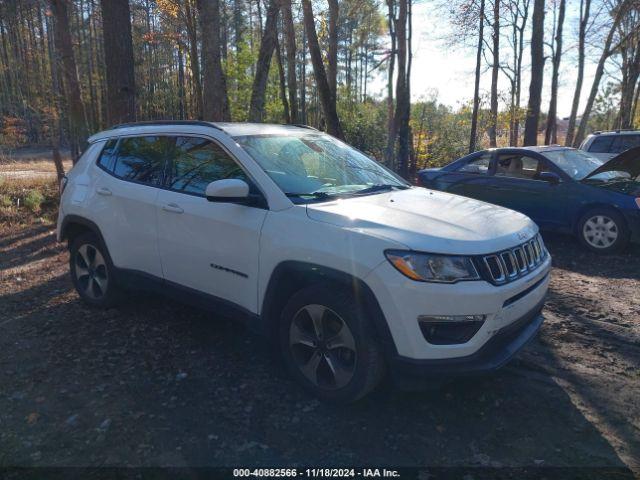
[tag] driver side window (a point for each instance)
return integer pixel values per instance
(196, 162)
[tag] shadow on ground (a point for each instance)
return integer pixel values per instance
(158, 383)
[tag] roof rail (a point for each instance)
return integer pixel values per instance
(302, 125)
(619, 130)
(200, 123)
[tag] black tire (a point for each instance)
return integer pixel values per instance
(92, 271)
(365, 363)
(596, 227)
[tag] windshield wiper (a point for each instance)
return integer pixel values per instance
(383, 187)
(310, 195)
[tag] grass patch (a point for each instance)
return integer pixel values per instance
(27, 200)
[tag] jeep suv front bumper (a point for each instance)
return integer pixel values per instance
(501, 348)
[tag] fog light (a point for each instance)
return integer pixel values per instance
(450, 329)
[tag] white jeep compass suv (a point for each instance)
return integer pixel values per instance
(349, 269)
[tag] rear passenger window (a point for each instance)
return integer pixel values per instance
(106, 158)
(478, 165)
(141, 159)
(623, 143)
(196, 162)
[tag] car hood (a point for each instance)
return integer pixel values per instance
(628, 161)
(428, 220)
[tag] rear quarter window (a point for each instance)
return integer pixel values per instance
(107, 156)
(622, 143)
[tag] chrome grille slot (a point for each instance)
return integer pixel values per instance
(522, 261)
(536, 249)
(509, 262)
(508, 265)
(495, 267)
(528, 253)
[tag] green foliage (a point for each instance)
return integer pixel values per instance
(604, 110)
(33, 200)
(440, 134)
(365, 125)
(238, 66)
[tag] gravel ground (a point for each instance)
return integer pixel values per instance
(155, 383)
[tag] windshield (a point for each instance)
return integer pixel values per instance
(578, 164)
(315, 165)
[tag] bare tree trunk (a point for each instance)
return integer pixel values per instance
(391, 126)
(118, 50)
(283, 85)
(215, 98)
(290, 41)
(537, 70)
(75, 106)
(327, 100)
(495, 67)
(606, 53)
(303, 77)
(181, 85)
(332, 57)
(194, 60)
(631, 70)
(476, 88)
(636, 104)
(518, 75)
(551, 134)
(267, 46)
(585, 5)
(55, 116)
(403, 98)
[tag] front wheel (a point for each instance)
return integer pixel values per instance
(327, 345)
(602, 230)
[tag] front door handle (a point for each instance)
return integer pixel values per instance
(173, 208)
(104, 191)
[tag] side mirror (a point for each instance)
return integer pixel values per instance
(551, 177)
(228, 190)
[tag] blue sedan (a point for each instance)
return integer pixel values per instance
(561, 189)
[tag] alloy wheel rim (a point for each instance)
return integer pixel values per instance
(600, 231)
(323, 347)
(91, 272)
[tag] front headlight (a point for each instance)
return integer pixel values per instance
(428, 267)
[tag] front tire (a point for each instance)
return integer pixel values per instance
(327, 345)
(603, 230)
(92, 272)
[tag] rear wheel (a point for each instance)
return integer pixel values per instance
(602, 230)
(92, 272)
(327, 345)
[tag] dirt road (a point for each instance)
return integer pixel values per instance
(158, 383)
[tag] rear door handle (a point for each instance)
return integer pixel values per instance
(104, 191)
(173, 208)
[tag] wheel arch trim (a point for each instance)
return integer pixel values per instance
(70, 220)
(290, 270)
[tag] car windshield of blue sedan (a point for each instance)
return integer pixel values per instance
(314, 165)
(578, 164)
